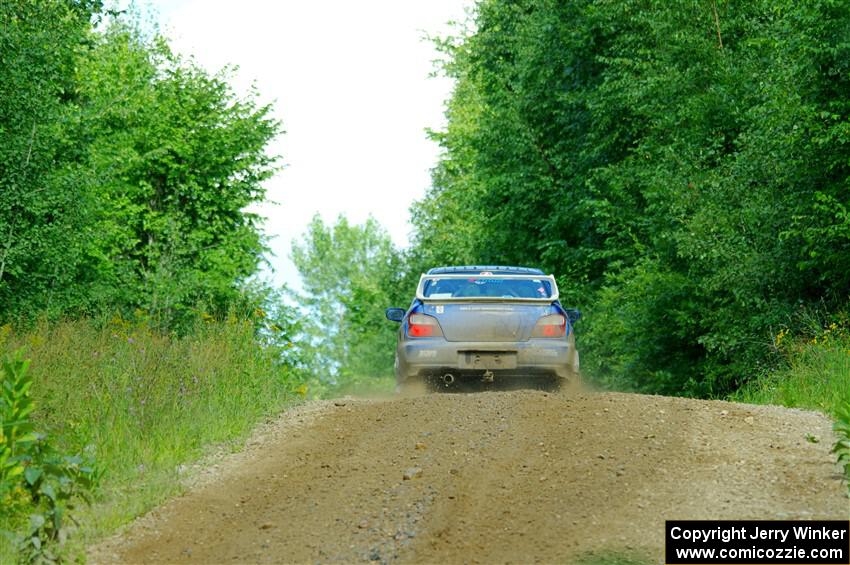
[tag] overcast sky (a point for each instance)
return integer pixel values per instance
(350, 81)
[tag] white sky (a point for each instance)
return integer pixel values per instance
(350, 81)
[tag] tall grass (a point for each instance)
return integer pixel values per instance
(816, 374)
(144, 403)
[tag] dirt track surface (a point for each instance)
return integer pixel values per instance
(491, 478)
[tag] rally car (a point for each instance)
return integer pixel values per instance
(485, 325)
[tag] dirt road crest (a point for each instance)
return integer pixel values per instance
(499, 477)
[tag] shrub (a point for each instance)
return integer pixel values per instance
(33, 476)
(812, 369)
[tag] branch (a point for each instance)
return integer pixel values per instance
(12, 224)
(716, 22)
(6, 251)
(29, 149)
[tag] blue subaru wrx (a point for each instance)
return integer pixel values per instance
(485, 325)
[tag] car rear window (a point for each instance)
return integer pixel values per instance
(487, 287)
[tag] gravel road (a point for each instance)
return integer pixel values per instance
(518, 477)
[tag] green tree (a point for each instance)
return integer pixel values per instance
(126, 171)
(46, 203)
(179, 158)
(351, 274)
(682, 166)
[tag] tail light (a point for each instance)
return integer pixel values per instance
(554, 325)
(422, 325)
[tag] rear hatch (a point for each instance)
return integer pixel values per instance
(481, 321)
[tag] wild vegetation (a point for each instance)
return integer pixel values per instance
(134, 335)
(813, 371)
(33, 476)
(140, 404)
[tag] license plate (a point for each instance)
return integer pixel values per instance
(487, 360)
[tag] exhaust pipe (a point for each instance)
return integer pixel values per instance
(448, 379)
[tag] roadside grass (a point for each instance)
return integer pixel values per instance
(144, 403)
(816, 376)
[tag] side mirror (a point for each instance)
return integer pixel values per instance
(396, 314)
(573, 314)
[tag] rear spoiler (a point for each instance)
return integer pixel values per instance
(424, 278)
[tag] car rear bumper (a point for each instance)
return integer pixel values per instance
(433, 357)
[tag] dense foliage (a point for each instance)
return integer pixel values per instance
(44, 192)
(682, 166)
(125, 170)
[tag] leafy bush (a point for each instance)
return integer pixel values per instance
(16, 432)
(632, 338)
(812, 368)
(34, 477)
